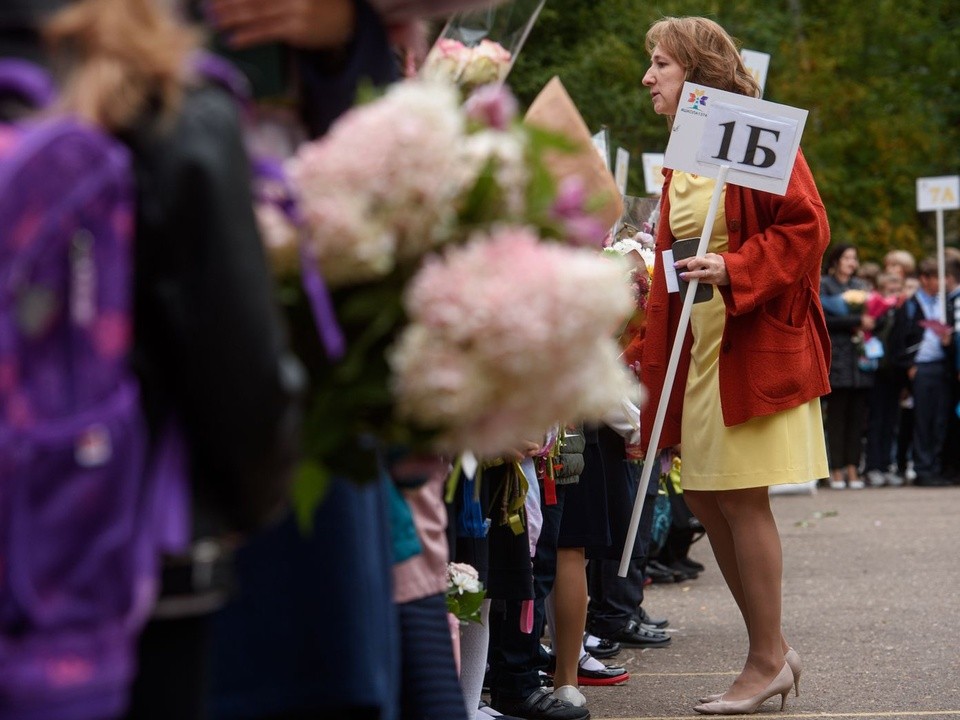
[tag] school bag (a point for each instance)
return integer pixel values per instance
(87, 499)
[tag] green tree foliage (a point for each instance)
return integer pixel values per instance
(881, 80)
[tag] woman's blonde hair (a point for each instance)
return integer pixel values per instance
(706, 52)
(902, 259)
(119, 59)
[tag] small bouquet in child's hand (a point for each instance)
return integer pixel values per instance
(879, 305)
(465, 592)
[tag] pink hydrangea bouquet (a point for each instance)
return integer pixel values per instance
(400, 176)
(380, 188)
(508, 335)
(414, 174)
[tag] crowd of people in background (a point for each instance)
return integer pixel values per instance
(892, 413)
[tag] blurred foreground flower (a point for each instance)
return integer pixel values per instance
(381, 186)
(507, 336)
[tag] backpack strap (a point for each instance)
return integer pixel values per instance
(28, 81)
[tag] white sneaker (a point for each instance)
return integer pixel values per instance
(838, 485)
(857, 484)
(876, 478)
(894, 480)
(570, 694)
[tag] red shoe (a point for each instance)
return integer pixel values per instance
(610, 675)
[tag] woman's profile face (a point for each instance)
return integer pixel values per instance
(665, 79)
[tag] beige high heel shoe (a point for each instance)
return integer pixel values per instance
(780, 685)
(792, 659)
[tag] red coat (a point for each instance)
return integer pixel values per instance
(775, 351)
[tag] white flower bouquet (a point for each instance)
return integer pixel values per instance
(465, 592)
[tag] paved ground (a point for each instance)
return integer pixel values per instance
(871, 602)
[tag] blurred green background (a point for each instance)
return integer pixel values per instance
(881, 80)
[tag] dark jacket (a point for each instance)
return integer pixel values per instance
(953, 320)
(845, 340)
(907, 334)
(211, 348)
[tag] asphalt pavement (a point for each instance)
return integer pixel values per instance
(871, 603)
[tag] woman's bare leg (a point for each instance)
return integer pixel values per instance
(720, 512)
(706, 508)
(759, 559)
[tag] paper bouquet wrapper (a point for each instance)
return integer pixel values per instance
(554, 110)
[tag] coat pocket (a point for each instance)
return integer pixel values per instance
(779, 367)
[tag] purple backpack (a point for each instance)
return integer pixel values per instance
(87, 502)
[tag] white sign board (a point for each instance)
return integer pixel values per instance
(601, 142)
(938, 193)
(756, 139)
(757, 65)
(621, 170)
(652, 175)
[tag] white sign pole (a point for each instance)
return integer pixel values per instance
(651, 457)
(941, 271)
(939, 194)
(621, 170)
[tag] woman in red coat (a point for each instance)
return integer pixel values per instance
(754, 363)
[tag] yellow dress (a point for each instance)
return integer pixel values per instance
(779, 449)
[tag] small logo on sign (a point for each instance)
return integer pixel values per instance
(697, 100)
